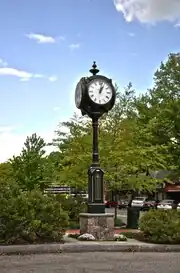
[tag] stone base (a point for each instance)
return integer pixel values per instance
(101, 226)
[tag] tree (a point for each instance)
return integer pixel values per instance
(159, 108)
(6, 172)
(30, 168)
(125, 148)
(74, 143)
(127, 152)
(54, 166)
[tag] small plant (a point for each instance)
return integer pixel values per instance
(86, 237)
(120, 237)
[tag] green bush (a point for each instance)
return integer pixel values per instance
(73, 206)
(29, 217)
(161, 226)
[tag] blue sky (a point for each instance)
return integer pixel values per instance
(47, 45)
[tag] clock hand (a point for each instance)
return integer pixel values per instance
(101, 88)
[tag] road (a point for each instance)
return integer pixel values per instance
(92, 263)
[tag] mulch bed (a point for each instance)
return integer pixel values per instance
(116, 230)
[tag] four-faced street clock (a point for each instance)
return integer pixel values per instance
(94, 96)
(78, 95)
(100, 91)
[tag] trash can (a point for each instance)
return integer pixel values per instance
(133, 217)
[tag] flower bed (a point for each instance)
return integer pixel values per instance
(90, 237)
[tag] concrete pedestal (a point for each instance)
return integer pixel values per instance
(101, 226)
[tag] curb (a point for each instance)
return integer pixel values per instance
(87, 247)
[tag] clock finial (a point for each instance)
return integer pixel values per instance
(94, 69)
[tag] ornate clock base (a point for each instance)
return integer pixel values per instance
(96, 208)
(101, 226)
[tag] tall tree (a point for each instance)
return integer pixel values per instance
(6, 172)
(30, 167)
(159, 108)
(74, 142)
(125, 147)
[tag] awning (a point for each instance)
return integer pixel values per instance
(172, 188)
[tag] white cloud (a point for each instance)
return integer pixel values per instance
(149, 11)
(131, 34)
(74, 46)
(41, 39)
(61, 38)
(56, 108)
(177, 25)
(53, 78)
(3, 63)
(12, 141)
(23, 75)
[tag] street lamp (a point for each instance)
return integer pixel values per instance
(94, 96)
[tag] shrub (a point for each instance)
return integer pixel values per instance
(161, 226)
(74, 206)
(29, 217)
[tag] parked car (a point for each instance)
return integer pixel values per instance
(166, 204)
(149, 204)
(138, 202)
(111, 204)
(123, 204)
(178, 206)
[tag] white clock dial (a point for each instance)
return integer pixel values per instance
(100, 91)
(78, 95)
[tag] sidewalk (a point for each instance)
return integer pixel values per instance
(82, 247)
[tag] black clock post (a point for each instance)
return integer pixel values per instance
(95, 173)
(94, 96)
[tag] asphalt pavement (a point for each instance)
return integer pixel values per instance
(92, 263)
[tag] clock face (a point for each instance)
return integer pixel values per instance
(78, 95)
(100, 91)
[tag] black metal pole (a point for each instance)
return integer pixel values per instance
(95, 152)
